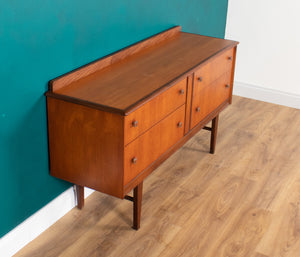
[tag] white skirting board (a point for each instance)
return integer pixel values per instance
(266, 95)
(29, 229)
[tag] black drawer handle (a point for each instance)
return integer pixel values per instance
(200, 79)
(179, 124)
(227, 85)
(181, 91)
(198, 109)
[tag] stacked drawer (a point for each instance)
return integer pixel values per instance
(153, 128)
(212, 86)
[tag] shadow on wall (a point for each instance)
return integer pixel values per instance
(27, 163)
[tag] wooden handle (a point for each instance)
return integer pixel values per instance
(179, 124)
(135, 123)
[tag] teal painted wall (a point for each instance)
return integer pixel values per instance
(40, 40)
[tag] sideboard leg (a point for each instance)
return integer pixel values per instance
(214, 131)
(80, 196)
(137, 205)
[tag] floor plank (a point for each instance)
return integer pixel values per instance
(242, 201)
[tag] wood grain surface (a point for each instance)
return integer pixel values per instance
(154, 111)
(211, 71)
(153, 143)
(243, 201)
(209, 97)
(102, 63)
(86, 146)
(189, 89)
(157, 67)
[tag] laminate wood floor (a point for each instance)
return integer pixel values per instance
(242, 201)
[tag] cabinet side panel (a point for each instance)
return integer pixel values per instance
(86, 146)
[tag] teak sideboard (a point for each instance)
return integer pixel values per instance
(113, 121)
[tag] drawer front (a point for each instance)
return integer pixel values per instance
(153, 111)
(148, 147)
(210, 97)
(212, 71)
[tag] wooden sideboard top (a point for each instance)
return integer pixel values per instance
(123, 80)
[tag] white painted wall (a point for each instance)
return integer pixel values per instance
(268, 55)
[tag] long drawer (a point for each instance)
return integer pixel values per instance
(148, 147)
(153, 111)
(210, 97)
(212, 71)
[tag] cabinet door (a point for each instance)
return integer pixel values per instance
(209, 97)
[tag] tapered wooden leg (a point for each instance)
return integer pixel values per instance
(137, 205)
(80, 196)
(214, 131)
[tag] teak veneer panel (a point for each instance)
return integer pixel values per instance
(154, 110)
(115, 86)
(86, 146)
(148, 147)
(190, 81)
(209, 97)
(210, 72)
(108, 60)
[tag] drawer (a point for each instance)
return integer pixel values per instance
(148, 147)
(210, 97)
(212, 71)
(153, 111)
